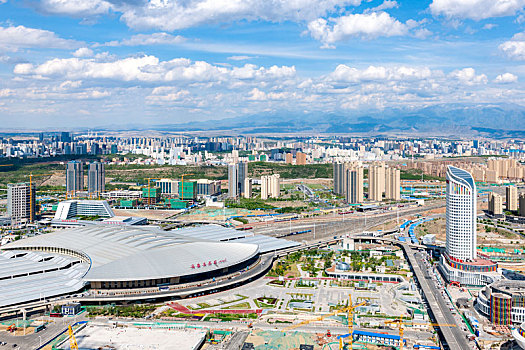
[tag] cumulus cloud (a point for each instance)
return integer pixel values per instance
(257, 95)
(514, 48)
(367, 25)
(166, 94)
(387, 4)
(14, 38)
(83, 52)
(148, 39)
(76, 8)
(171, 15)
(476, 9)
(468, 76)
(149, 69)
(506, 78)
(344, 73)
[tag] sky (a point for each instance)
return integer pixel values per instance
(93, 63)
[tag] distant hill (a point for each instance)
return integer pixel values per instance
(439, 120)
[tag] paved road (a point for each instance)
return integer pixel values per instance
(454, 338)
(33, 341)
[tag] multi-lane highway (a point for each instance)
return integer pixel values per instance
(453, 337)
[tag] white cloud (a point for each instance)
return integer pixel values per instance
(241, 58)
(171, 15)
(387, 4)
(150, 69)
(344, 73)
(14, 38)
(506, 78)
(514, 48)
(468, 76)
(77, 8)
(148, 39)
(83, 52)
(489, 26)
(476, 9)
(367, 25)
(5, 92)
(258, 95)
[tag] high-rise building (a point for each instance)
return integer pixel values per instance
(237, 173)
(65, 136)
(74, 177)
(522, 204)
(96, 178)
(393, 184)
(247, 187)
(495, 204)
(21, 203)
(270, 186)
(376, 182)
(339, 178)
(300, 158)
(232, 181)
(289, 158)
(511, 198)
(461, 215)
(354, 184)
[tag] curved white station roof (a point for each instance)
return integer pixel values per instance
(141, 253)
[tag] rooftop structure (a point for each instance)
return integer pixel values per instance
(107, 257)
(74, 208)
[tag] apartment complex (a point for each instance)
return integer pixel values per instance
(96, 179)
(511, 198)
(354, 182)
(74, 177)
(495, 204)
(376, 182)
(270, 186)
(237, 173)
(21, 203)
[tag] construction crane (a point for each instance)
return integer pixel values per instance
(182, 185)
(72, 341)
(400, 323)
(31, 204)
(149, 186)
(348, 309)
(351, 307)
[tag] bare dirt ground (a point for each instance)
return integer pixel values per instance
(150, 214)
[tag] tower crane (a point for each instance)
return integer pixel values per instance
(72, 341)
(349, 309)
(149, 190)
(400, 323)
(31, 204)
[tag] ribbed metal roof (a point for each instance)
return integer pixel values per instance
(135, 253)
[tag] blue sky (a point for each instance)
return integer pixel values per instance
(92, 63)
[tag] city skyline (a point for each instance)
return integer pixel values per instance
(108, 63)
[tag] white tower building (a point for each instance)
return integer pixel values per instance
(461, 215)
